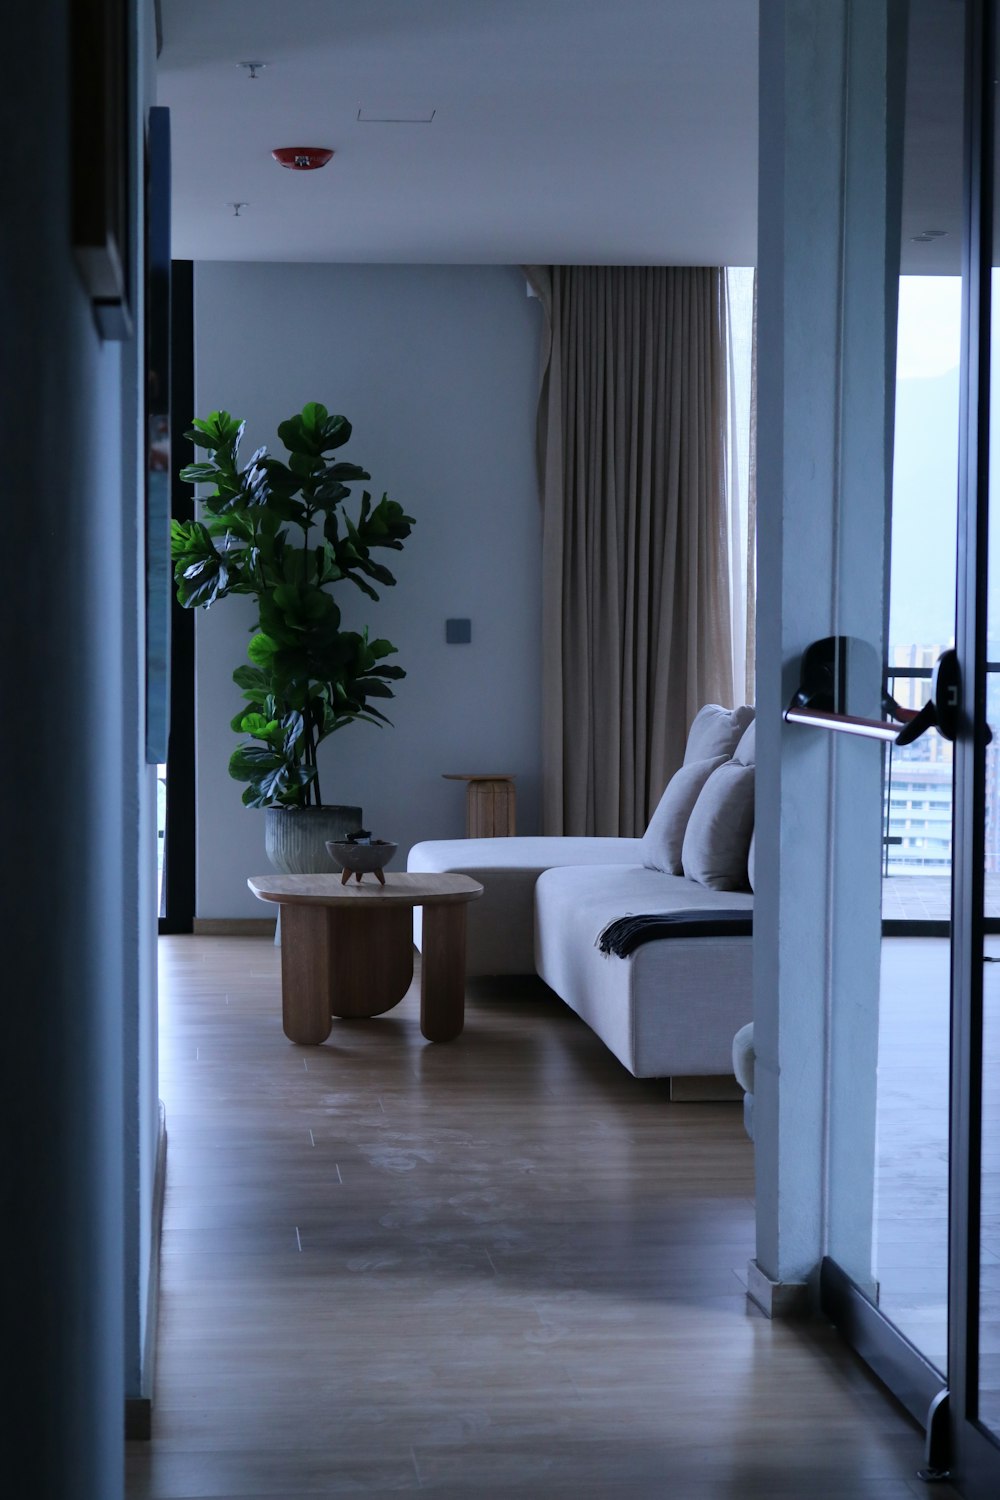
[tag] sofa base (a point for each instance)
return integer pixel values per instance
(709, 1088)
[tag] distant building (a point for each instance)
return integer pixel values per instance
(918, 791)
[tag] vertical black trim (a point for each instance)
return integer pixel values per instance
(975, 1451)
(179, 853)
(969, 756)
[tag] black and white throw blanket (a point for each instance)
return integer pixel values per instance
(622, 936)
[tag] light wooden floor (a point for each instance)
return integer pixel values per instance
(502, 1267)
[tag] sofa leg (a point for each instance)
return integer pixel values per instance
(710, 1088)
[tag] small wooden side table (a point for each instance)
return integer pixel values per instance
(347, 950)
(489, 806)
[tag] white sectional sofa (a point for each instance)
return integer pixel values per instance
(647, 940)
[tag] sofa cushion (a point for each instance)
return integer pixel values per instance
(745, 753)
(717, 839)
(750, 860)
(661, 844)
(716, 731)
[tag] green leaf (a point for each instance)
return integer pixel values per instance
(272, 781)
(336, 431)
(327, 494)
(314, 416)
(282, 480)
(262, 650)
(297, 438)
(251, 679)
(253, 760)
(303, 465)
(377, 571)
(327, 568)
(220, 431)
(365, 588)
(380, 648)
(346, 473)
(200, 572)
(259, 726)
(199, 474)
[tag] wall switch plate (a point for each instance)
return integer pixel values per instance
(458, 632)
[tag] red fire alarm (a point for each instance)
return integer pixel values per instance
(302, 158)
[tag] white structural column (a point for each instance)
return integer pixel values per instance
(828, 211)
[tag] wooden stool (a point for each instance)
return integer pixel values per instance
(489, 806)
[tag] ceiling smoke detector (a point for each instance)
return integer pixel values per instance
(302, 158)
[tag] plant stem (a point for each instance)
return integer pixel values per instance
(310, 759)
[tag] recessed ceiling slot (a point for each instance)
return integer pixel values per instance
(399, 119)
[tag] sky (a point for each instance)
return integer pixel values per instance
(922, 589)
(925, 468)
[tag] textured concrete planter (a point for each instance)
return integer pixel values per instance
(295, 837)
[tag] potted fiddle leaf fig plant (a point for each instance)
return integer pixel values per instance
(279, 530)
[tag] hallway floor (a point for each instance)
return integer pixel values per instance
(502, 1267)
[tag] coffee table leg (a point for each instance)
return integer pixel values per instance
(442, 972)
(372, 959)
(306, 955)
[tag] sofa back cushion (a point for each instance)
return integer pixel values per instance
(745, 753)
(661, 844)
(716, 731)
(717, 839)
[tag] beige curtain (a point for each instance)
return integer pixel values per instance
(632, 458)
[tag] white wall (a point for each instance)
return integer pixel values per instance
(826, 204)
(437, 369)
(75, 927)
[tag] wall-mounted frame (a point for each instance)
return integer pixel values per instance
(100, 159)
(157, 319)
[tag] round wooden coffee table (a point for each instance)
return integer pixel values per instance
(347, 950)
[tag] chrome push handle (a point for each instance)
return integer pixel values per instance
(942, 710)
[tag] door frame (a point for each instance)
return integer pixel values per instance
(975, 1457)
(179, 836)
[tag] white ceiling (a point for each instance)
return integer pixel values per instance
(588, 131)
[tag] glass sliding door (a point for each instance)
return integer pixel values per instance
(910, 1231)
(887, 1235)
(913, 1268)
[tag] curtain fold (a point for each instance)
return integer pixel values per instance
(632, 463)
